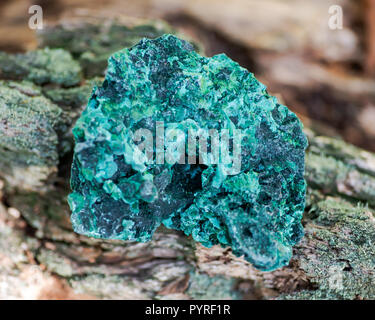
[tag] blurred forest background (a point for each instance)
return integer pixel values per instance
(326, 76)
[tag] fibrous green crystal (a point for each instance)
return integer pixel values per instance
(257, 211)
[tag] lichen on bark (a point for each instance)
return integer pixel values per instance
(42, 66)
(118, 195)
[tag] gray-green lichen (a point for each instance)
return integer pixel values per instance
(29, 126)
(340, 261)
(75, 97)
(205, 287)
(41, 66)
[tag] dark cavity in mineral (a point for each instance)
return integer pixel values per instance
(256, 211)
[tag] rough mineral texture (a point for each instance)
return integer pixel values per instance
(256, 212)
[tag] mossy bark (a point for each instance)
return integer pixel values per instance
(41, 257)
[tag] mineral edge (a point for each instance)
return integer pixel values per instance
(256, 212)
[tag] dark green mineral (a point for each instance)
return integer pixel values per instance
(119, 194)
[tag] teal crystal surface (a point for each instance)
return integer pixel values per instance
(257, 211)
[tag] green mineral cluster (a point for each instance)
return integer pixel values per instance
(257, 211)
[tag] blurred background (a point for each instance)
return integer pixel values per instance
(325, 75)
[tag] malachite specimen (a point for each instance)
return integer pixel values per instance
(257, 212)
